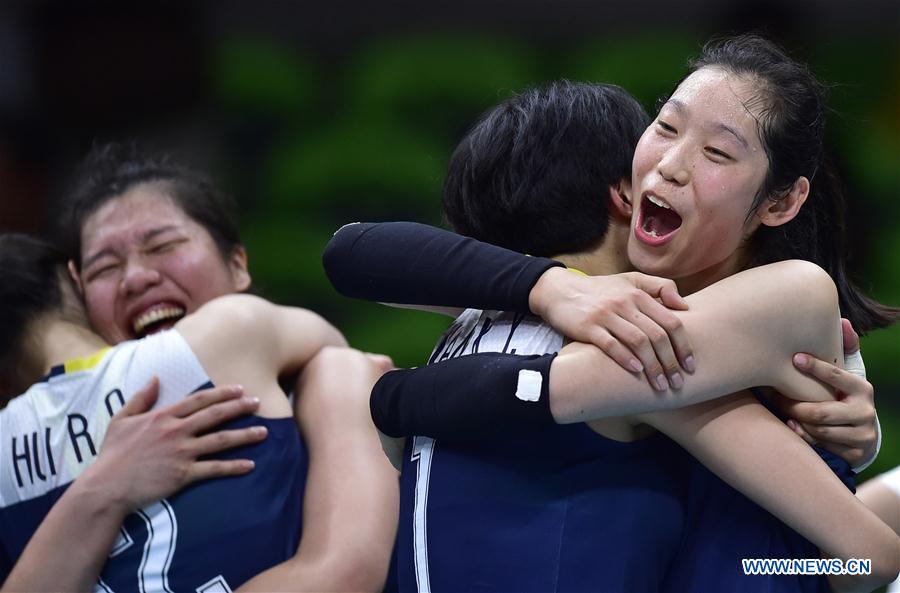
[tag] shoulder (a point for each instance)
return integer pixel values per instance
(798, 279)
(224, 318)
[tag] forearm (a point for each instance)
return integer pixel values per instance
(74, 540)
(740, 341)
(746, 446)
(411, 263)
(351, 500)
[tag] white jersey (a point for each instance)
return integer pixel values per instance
(211, 536)
(496, 331)
(52, 433)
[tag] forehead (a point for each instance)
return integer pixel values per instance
(719, 97)
(131, 215)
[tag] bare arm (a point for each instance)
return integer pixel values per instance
(882, 495)
(746, 446)
(351, 500)
(247, 340)
(745, 330)
(146, 455)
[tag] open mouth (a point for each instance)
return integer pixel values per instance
(157, 318)
(657, 221)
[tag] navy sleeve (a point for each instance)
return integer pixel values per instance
(416, 264)
(480, 396)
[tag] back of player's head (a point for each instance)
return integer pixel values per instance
(110, 170)
(534, 172)
(30, 275)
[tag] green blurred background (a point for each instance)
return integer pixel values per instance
(315, 115)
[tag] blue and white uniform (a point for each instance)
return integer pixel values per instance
(209, 537)
(561, 509)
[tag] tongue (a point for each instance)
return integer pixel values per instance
(662, 222)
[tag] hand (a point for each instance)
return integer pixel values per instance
(148, 455)
(847, 427)
(621, 315)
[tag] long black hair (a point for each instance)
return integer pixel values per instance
(30, 275)
(792, 130)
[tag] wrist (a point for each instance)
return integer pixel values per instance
(100, 496)
(542, 293)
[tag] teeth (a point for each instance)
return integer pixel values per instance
(659, 202)
(141, 323)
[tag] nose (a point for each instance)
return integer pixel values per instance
(674, 165)
(138, 277)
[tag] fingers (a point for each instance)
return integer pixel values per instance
(142, 400)
(850, 337)
(223, 440)
(830, 413)
(218, 468)
(205, 398)
(219, 412)
(661, 288)
(832, 375)
(382, 362)
(613, 346)
(847, 436)
(651, 345)
(798, 428)
(675, 337)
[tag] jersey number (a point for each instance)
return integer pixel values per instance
(422, 449)
(159, 548)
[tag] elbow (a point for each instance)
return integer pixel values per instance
(365, 574)
(336, 256)
(886, 569)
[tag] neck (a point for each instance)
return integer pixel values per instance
(60, 340)
(736, 262)
(609, 257)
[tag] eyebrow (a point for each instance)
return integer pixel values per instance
(720, 127)
(145, 238)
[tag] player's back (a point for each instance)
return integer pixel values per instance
(560, 509)
(211, 536)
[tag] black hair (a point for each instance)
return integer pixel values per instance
(30, 275)
(792, 131)
(533, 174)
(111, 169)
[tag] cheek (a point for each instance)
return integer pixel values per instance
(201, 275)
(646, 154)
(100, 300)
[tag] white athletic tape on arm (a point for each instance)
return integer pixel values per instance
(528, 388)
(854, 363)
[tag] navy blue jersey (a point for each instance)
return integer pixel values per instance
(210, 537)
(724, 526)
(561, 509)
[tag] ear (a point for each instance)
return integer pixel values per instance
(778, 212)
(239, 272)
(76, 277)
(620, 198)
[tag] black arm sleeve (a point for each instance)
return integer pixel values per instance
(476, 397)
(416, 264)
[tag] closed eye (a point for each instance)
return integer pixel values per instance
(165, 246)
(101, 271)
(666, 127)
(718, 153)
